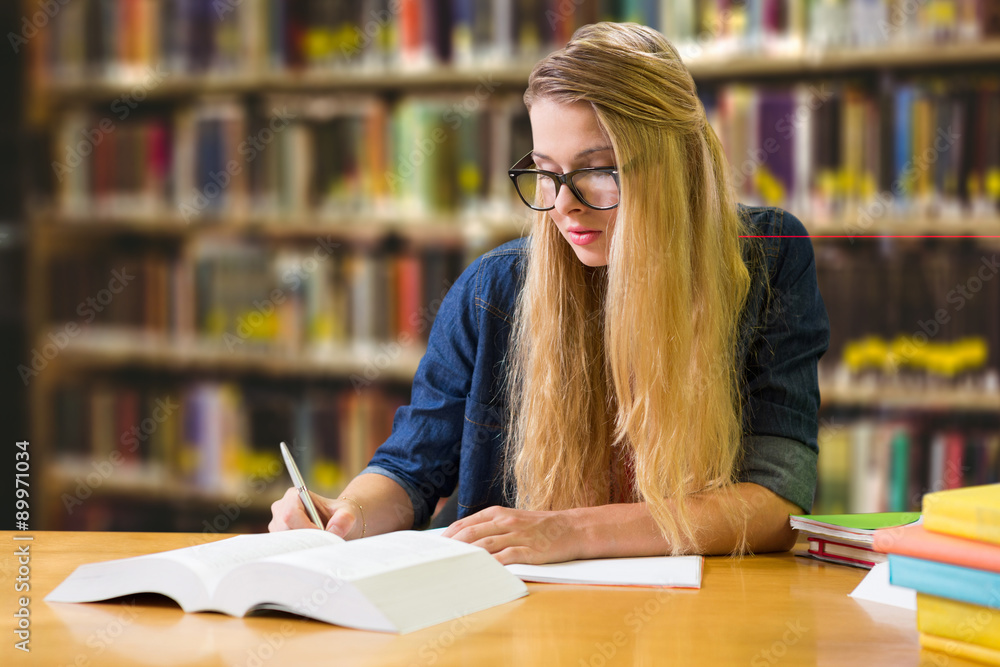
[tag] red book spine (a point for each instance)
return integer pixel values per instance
(410, 28)
(410, 287)
(817, 547)
(954, 448)
(104, 162)
(127, 413)
(156, 170)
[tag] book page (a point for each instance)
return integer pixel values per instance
(373, 555)
(211, 561)
(667, 571)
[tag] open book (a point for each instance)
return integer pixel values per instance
(397, 582)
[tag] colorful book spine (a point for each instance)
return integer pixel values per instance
(959, 621)
(125, 37)
(960, 649)
(918, 542)
(972, 512)
(965, 584)
(847, 554)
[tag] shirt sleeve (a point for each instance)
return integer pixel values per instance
(781, 388)
(422, 453)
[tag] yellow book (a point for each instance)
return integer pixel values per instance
(957, 649)
(951, 619)
(972, 512)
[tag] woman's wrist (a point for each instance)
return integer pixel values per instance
(359, 520)
(586, 533)
(614, 531)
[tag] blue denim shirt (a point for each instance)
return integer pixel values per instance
(451, 434)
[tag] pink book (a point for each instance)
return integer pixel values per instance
(916, 541)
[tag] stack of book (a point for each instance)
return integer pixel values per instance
(847, 538)
(952, 560)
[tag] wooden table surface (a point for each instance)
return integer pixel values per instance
(759, 611)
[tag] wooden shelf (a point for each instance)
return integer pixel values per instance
(114, 348)
(910, 226)
(238, 83)
(811, 63)
(730, 66)
(963, 400)
(361, 227)
(368, 227)
(64, 476)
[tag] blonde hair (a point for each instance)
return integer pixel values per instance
(636, 360)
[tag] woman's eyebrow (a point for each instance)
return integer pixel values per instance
(579, 155)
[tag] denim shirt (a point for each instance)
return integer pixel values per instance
(452, 432)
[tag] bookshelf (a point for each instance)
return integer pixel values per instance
(392, 88)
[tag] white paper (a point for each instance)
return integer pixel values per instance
(875, 587)
(672, 571)
(677, 571)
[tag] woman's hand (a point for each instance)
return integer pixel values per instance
(521, 536)
(339, 516)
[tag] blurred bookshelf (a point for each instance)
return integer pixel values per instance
(284, 190)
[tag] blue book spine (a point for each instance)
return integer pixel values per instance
(903, 138)
(964, 584)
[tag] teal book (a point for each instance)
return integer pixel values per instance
(900, 482)
(954, 582)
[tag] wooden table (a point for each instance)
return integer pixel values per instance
(758, 611)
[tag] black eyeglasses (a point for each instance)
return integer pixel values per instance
(595, 187)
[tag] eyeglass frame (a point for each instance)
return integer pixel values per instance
(560, 179)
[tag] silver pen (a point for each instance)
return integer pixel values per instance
(300, 484)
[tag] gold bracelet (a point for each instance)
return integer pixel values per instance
(364, 525)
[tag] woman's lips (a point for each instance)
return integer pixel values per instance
(583, 238)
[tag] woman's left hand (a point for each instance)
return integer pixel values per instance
(521, 536)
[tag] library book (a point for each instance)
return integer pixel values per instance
(397, 582)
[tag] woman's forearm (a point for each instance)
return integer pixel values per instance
(629, 530)
(386, 505)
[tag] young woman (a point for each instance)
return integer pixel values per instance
(636, 377)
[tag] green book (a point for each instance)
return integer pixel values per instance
(900, 481)
(853, 528)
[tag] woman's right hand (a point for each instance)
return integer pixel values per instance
(339, 516)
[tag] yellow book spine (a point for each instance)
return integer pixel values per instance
(962, 621)
(970, 528)
(957, 649)
(972, 512)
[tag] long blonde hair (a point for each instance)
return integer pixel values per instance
(634, 363)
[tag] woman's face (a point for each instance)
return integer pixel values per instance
(568, 137)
